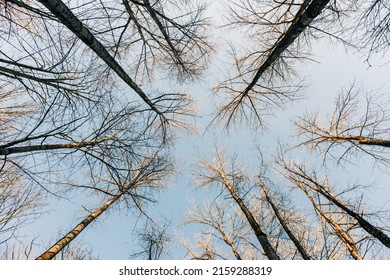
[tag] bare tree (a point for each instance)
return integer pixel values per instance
(327, 214)
(225, 227)
(283, 221)
(357, 126)
(261, 79)
(216, 173)
(315, 188)
(148, 175)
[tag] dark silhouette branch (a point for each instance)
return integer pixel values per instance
(47, 147)
(321, 189)
(65, 15)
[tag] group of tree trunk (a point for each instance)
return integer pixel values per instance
(80, 112)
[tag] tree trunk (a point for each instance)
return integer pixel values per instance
(366, 225)
(261, 236)
(65, 15)
(360, 139)
(286, 228)
(60, 244)
(344, 236)
(301, 21)
(46, 147)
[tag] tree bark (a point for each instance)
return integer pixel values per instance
(344, 236)
(43, 147)
(360, 139)
(286, 228)
(60, 244)
(366, 225)
(374, 142)
(260, 234)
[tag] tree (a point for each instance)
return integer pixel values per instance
(230, 181)
(300, 177)
(283, 222)
(149, 174)
(262, 74)
(357, 126)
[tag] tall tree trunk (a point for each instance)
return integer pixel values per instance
(65, 15)
(342, 234)
(359, 139)
(46, 147)
(282, 221)
(366, 225)
(260, 234)
(60, 244)
(301, 21)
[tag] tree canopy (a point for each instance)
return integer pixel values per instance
(121, 109)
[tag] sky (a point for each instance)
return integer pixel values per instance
(111, 236)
